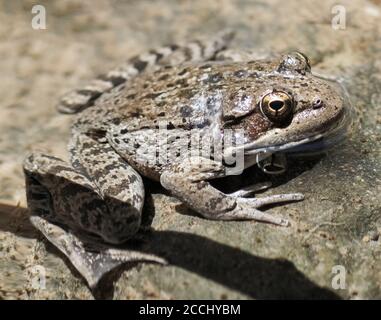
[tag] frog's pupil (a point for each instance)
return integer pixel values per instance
(276, 105)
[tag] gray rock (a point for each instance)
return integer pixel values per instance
(208, 259)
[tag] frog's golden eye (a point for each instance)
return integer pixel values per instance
(277, 106)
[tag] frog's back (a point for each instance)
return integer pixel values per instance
(181, 93)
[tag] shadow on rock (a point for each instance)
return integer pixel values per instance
(258, 277)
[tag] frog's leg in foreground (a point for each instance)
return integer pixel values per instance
(100, 194)
(197, 50)
(188, 181)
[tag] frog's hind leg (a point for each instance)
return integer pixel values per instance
(91, 259)
(65, 205)
(197, 50)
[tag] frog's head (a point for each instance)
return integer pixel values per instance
(290, 107)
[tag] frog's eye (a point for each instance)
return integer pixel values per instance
(277, 106)
(295, 61)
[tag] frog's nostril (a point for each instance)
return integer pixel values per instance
(276, 105)
(318, 103)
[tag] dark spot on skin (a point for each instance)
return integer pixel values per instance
(126, 140)
(161, 114)
(123, 131)
(114, 80)
(131, 96)
(214, 202)
(116, 121)
(186, 93)
(89, 92)
(304, 84)
(182, 72)
(173, 47)
(117, 80)
(171, 84)
(240, 73)
(181, 83)
(203, 125)
(132, 178)
(163, 77)
(139, 65)
(161, 103)
(136, 114)
(152, 95)
(117, 141)
(205, 66)
(170, 126)
(254, 75)
(187, 53)
(136, 145)
(136, 199)
(146, 85)
(214, 78)
(244, 97)
(158, 55)
(186, 111)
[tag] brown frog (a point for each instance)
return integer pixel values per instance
(182, 115)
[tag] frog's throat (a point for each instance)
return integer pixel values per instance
(250, 149)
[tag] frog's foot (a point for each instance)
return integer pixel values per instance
(188, 181)
(92, 260)
(247, 208)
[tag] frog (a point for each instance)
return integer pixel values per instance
(90, 207)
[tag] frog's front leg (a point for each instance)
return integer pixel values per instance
(100, 194)
(188, 181)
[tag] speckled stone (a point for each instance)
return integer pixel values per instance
(209, 259)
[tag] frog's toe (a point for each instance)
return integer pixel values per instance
(250, 190)
(245, 211)
(92, 260)
(274, 199)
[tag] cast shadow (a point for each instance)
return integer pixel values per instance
(254, 276)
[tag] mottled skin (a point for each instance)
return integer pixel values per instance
(193, 89)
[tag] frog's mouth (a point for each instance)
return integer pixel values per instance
(335, 132)
(314, 143)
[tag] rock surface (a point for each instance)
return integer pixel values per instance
(339, 223)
